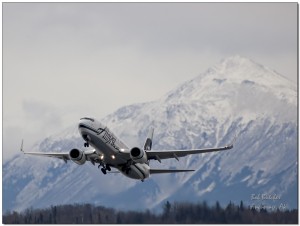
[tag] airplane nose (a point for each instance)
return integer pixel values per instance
(86, 121)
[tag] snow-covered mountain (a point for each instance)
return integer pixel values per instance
(237, 97)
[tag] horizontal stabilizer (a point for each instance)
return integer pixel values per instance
(155, 171)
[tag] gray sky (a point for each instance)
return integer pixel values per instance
(63, 61)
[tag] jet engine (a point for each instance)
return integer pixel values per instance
(77, 156)
(138, 155)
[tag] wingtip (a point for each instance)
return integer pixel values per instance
(21, 148)
(229, 146)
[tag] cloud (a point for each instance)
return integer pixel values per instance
(41, 112)
(157, 26)
(63, 61)
(38, 120)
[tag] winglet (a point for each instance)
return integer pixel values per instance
(21, 148)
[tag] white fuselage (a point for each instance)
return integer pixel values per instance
(110, 150)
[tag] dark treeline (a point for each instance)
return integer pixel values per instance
(177, 212)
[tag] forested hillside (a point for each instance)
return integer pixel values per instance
(176, 213)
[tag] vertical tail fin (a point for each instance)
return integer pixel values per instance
(148, 143)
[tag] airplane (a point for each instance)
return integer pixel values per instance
(110, 152)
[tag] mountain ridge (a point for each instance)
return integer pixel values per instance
(207, 111)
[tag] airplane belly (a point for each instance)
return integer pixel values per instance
(111, 155)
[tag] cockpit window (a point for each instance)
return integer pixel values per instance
(88, 119)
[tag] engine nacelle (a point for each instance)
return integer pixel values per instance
(138, 155)
(77, 156)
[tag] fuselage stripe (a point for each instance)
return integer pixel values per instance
(89, 128)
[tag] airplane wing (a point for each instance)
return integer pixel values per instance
(90, 155)
(158, 155)
(64, 156)
(156, 171)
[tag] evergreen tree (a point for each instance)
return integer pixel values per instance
(178, 213)
(242, 206)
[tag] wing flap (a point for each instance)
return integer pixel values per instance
(156, 171)
(63, 156)
(49, 154)
(157, 155)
